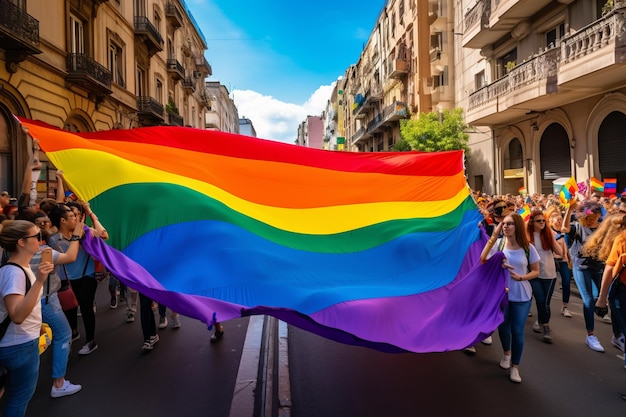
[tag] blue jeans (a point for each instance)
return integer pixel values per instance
(617, 302)
(22, 362)
(52, 313)
(511, 330)
(566, 279)
(542, 291)
(588, 283)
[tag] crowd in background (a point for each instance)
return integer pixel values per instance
(542, 239)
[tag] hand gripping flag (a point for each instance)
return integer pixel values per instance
(372, 249)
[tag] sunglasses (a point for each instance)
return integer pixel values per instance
(38, 236)
(540, 221)
(4, 194)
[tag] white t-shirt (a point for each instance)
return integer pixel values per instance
(547, 267)
(518, 290)
(12, 282)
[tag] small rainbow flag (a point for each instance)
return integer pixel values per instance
(596, 184)
(525, 212)
(568, 191)
(522, 191)
(610, 186)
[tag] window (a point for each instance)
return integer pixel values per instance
(554, 36)
(506, 63)
(159, 91)
(479, 80)
(141, 82)
(141, 8)
(157, 22)
(77, 35)
(116, 63)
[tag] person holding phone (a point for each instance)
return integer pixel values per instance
(53, 314)
(19, 347)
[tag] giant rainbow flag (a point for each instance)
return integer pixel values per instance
(370, 249)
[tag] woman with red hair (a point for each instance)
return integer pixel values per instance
(543, 286)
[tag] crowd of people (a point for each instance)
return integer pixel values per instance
(43, 257)
(583, 239)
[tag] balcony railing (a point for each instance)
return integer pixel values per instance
(591, 37)
(189, 84)
(203, 65)
(548, 64)
(150, 34)
(358, 135)
(19, 31)
(175, 119)
(88, 74)
(392, 113)
(149, 110)
(174, 15)
(479, 13)
(175, 69)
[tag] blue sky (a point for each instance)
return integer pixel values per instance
(280, 59)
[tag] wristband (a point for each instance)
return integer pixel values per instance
(74, 238)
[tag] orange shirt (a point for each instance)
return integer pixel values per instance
(617, 257)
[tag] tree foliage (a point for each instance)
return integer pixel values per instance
(429, 134)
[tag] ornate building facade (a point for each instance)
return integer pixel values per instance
(95, 65)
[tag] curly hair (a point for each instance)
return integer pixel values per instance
(599, 243)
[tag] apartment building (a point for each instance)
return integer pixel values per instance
(334, 138)
(311, 132)
(221, 113)
(246, 127)
(95, 65)
(544, 82)
(406, 68)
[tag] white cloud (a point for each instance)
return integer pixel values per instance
(276, 120)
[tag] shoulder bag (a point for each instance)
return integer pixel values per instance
(67, 298)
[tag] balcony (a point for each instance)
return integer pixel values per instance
(174, 15)
(86, 73)
(359, 135)
(149, 34)
(149, 111)
(19, 34)
(586, 63)
(490, 20)
(389, 117)
(175, 69)
(189, 84)
(175, 120)
(595, 56)
(203, 66)
(398, 68)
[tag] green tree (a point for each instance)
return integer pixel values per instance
(430, 134)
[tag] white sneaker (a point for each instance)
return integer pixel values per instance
(67, 389)
(149, 344)
(162, 322)
(505, 362)
(565, 312)
(487, 340)
(514, 375)
(607, 319)
(594, 343)
(536, 327)
(618, 342)
(470, 350)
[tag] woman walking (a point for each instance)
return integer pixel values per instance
(522, 261)
(19, 347)
(543, 287)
